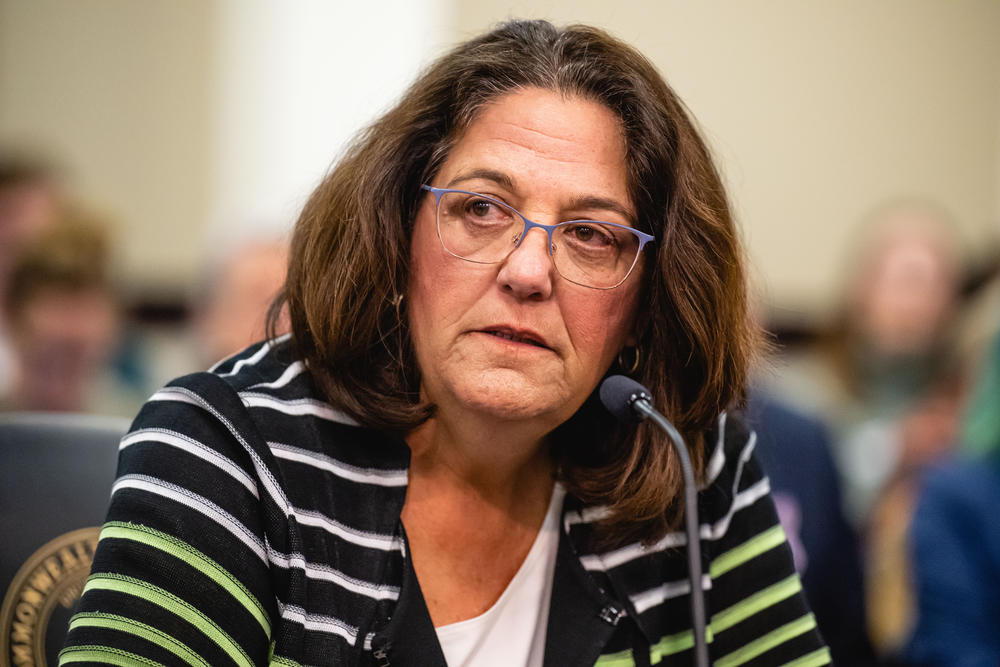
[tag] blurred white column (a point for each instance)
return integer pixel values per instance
(294, 81)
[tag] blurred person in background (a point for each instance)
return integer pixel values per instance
(955, 542)
(231, 312)
(225, 312)
(888, 348)
(887, 381)
(29, 203)
(926, 432)
(64, 322)
(954, 539)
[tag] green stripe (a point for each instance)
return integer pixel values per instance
(753, 547)
(132, 627)
(155, 595)
(668, 645)
(759, 601)
(185, 552)
(814, 659)
(619, 659)
(286, 662)
(768, 641)
(103, 655)
(671, 644)
(682, 641)
(273, 659)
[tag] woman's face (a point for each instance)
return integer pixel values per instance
(515, 340)
(907, 291)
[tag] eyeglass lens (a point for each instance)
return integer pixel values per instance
(588, 252)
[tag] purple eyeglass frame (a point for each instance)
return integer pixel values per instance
(529, 224)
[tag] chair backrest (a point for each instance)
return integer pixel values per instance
(56, 472)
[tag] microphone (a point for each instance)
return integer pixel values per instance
(630, 402)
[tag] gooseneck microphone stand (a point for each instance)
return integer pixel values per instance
(629, 401)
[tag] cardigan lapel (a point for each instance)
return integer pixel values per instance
(582, 616)
(409, 639)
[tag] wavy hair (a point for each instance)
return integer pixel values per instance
(349, 262)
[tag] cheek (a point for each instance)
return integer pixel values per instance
(420, 292)
(435, 292)
(600, 326)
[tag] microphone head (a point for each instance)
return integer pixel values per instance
(618, 393)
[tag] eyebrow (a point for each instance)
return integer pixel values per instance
(584, 202)
(497, 177)
(603, 203)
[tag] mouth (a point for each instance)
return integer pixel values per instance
(517, 336)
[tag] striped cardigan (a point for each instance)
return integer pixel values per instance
(253, 523)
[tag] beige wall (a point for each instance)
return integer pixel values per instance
(117, 91)
(198, 122)
(817, 111)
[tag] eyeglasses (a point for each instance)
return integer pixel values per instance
(484, 230)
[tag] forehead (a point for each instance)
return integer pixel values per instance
(541, 139)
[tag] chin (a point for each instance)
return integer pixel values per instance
(510, 395)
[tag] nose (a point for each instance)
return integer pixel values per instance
(527, 273)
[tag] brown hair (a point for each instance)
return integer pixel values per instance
(350, 257)
(70, 256)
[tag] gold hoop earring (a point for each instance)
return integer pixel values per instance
(634, 366)
(397, 302)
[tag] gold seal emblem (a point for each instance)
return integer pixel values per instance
(42, 596)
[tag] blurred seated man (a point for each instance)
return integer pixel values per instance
(926, 433)
(232, 310)
(29, 201)
(63, 322)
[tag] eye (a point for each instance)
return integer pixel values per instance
(478, 210)
(591, 235)
(480, 207)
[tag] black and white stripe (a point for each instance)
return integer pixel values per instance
(247, 486)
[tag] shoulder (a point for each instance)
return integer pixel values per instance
(199, 430)
(735, 506)
(750, 582)
(265, 399)
(730, 466)
(792, 446)
(269, 375)
(216, 406)
(784, 421)
(755, 593)
(961, 493)
(955, 551)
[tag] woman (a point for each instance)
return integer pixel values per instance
(421, 473)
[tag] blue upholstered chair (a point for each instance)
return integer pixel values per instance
(56, 472)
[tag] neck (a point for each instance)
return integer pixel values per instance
(500, 463)
(474, 504)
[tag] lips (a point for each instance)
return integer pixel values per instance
(516, 336)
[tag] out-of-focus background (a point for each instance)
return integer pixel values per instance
(193, 121)
(154, 156)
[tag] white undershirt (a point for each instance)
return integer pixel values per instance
(512, 631)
